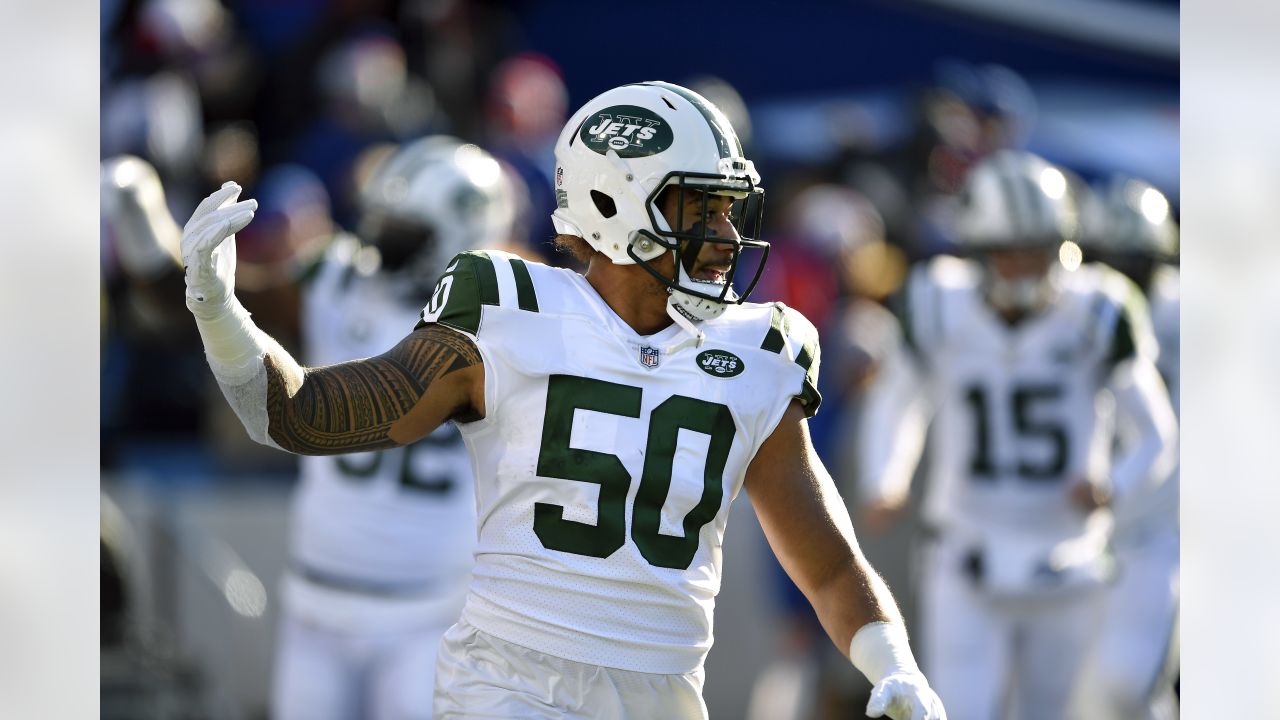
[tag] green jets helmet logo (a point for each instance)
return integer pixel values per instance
(629, 130)
(720, 363)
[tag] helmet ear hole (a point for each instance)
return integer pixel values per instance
(604, 204)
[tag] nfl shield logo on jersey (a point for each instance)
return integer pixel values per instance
(648, 356)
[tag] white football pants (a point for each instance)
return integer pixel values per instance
(990, 658)
(341, 656)
(1128, 675)
(481, 677)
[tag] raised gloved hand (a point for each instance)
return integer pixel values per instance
(905, 696)
(209, 248)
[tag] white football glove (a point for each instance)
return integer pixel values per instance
(905, 696)
(209, 248)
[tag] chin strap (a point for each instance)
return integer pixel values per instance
(696, 336)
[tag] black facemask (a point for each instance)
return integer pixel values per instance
(399, 243)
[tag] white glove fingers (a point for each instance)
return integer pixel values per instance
(235, 217)
(219, 225)
(229, 191)
(905, 699)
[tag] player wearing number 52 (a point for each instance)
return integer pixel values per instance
(381, 540)
(611, 419)
(1019, 361)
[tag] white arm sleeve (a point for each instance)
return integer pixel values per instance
(235, 349)
(892, 429)
(1144, 411)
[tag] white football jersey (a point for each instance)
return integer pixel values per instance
(1015, 415)
(397, 518)
(607, 460)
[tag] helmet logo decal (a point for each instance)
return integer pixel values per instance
(720, 363)
(628, 130)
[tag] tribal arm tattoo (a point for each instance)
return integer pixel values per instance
(352, 406)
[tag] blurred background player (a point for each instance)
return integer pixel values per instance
(1130, 673)
(1009, 352)
(382, 541)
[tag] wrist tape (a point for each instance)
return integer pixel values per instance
(880, 649)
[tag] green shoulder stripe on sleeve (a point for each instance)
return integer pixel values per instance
(1132, 333)
(525, 296)
(486, 277)
(468, 282)
(779, 328)
(810, 358)
(787, 323)
(809, 397)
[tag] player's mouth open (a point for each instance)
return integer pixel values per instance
(711, 273)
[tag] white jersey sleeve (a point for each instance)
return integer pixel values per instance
(1143, 409)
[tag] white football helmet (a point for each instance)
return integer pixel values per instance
(621, 150)
(1013, 200)
(432, 199)
(1130, 216)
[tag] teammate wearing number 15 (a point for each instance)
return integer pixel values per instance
(611, 418)
(1014, 358)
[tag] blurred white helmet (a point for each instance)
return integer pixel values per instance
(1130, 216)
(621, 150)
(432, 199)
(1016, 201)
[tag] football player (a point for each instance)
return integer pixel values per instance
(1129, 673)
(611, 418)
(1008, 354)
(382, 539)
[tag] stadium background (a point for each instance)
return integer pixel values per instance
(827, 85)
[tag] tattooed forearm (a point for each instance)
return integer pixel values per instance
(351, 406)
